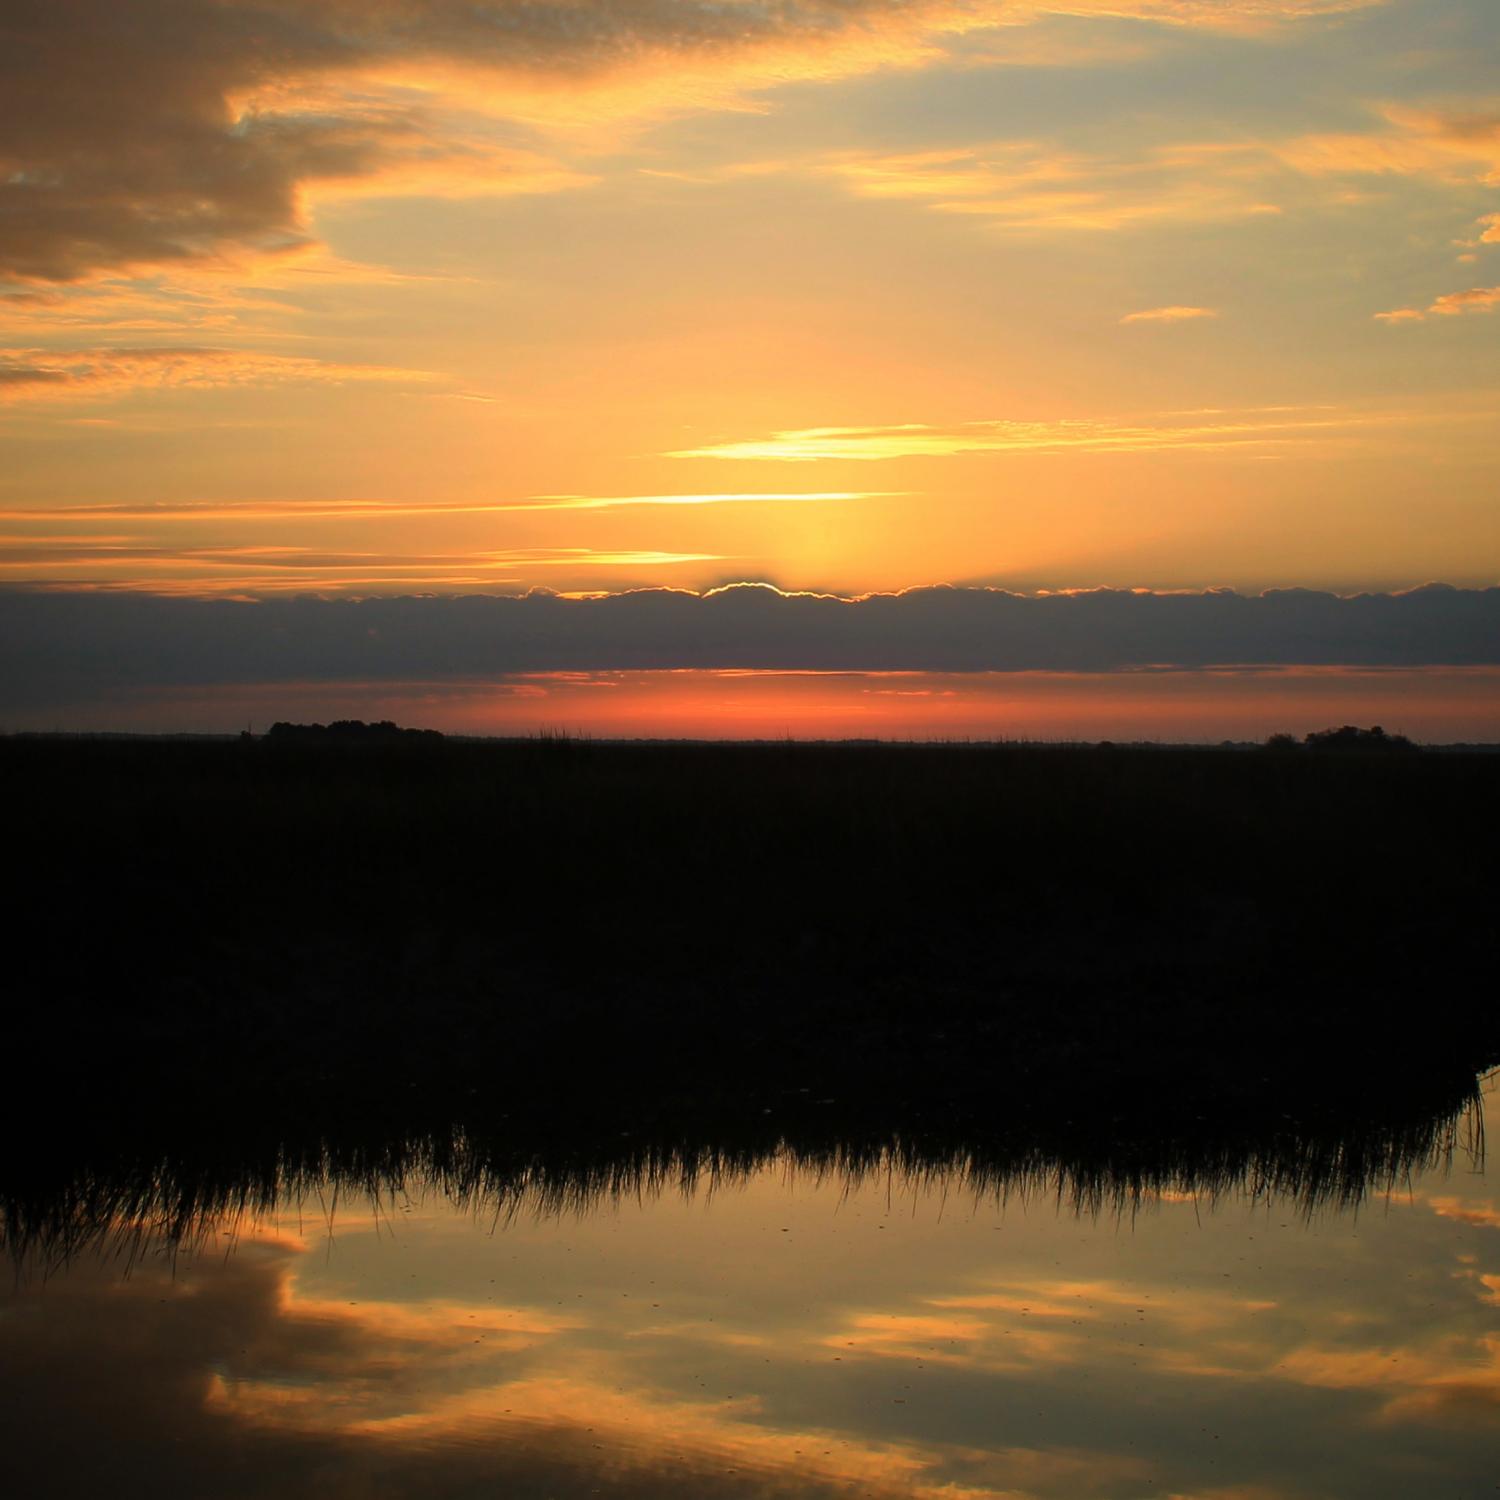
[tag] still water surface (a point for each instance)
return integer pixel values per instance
(779, 1335)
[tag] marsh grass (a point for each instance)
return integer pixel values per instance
(132, 1207)
(241, 945)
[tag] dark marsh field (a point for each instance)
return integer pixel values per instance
(566, 926)
(556, 968)
(257, 981)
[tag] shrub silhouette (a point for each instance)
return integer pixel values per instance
(1348, 737)
(349, 732)
(1345, 738)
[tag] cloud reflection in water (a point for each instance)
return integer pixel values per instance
(781, 1337)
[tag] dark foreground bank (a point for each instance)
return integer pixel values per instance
(318, 926)
(552, 963)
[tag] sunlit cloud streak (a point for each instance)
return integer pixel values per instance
(447, 1396)
(1477, 299)
(93, 549)
(116, 562)
(450, 1395)
(254, 510)
(1264, 428)
(1047, 185)
(777, 497)
(1444, 142)
(73, 374)
(1478, 1213)
(1174, 314)
(1030, 185)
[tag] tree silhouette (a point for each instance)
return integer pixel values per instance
(349, 732)
(1348, 737)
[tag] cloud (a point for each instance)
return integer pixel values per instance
(175, 547)
(1170, 314)
(1481, 1215)
(80, 374)
(754, 497)
(1204, 431)
(1477, 299)
(1041, 185)
(113, 561)
(1028, 185)
(68, 644)
(253, 510)
(1457, 145)
(176, 132)
(301, 1396)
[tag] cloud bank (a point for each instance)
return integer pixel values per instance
(64, 646)
(164, 132)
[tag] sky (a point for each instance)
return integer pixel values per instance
(843, 297)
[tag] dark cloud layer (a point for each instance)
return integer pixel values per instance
(146, 133)
(64, 646)
(154, 132)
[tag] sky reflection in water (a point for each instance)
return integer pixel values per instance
(783, 1338)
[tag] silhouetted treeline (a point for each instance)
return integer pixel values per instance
(348, 732)
(1346, 739)
(563, 926)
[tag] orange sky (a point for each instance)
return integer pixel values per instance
(1432, 705)
(593, 295)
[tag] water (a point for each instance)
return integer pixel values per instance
(782, 1332)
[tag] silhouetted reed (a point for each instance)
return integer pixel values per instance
(134, 1203)
(955, 944)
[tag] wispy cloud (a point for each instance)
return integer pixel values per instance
(1173, 314)
(1046, 185)
(452, 1397)
(1477, 299)
(81, 374)
(358, 510)
(1210, 432)
(116, 561)
(95, 549)
(1439, 141)
(1457, 148)
(1480, 1214)
(753, 497)
(1042, 185)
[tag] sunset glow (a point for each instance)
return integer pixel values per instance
(437, 298)
(740, 735)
